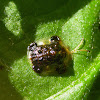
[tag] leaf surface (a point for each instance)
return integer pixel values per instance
(23, 24)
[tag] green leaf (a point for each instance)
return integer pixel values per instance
(79, 86)
(24, 22)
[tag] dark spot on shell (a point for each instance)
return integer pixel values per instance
(39, 51)
(33, 44)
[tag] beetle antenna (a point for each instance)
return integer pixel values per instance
(77, 48)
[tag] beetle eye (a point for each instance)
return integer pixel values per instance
(54, 39)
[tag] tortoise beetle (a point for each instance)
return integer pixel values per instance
(51, 57)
